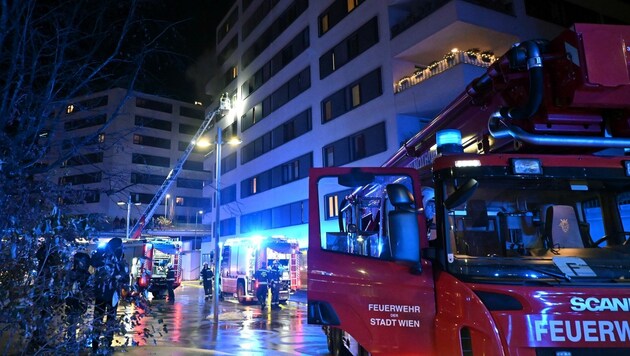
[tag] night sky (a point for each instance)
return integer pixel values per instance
(185, 50)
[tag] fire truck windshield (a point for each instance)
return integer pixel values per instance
(561, 230)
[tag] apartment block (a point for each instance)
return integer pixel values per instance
(346, 83)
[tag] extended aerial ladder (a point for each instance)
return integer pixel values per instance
(136, 231)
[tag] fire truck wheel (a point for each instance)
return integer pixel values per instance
(240, 292)
(337, 343)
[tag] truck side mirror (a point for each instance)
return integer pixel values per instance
(462, 194)
(404, 233)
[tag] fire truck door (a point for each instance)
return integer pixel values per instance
(359, 280)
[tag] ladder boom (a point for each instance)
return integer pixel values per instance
(136, 231)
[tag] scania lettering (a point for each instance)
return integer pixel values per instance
(500, 228)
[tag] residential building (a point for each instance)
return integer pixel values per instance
(346, 83)
(119, 147)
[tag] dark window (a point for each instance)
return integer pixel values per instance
(193, 166)
(151, 141)
(154, 105)
(294, 48)
(354, 147)
(87, 104)
(287, 92)
(258, 14)
(228, 163)
(227, 51)
(287, 172)
(89, 140)
(90, 158)
(143, 121)
(358, 93)
(191, 112)
(150, 179)
(291, 214)
(150, 160)
(228, 227)
(188, 129)
(190, 183)
(282, 22)
(348, 49)
(86, 178)
(85, 122)
(228, 194)
(227, 25)
(336, 12)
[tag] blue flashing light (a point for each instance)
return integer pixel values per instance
(449, 141)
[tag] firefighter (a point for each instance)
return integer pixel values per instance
(262, 277)
(78, 299)
(274, 284)
(207, 279)
(111, 274)
(170, 283)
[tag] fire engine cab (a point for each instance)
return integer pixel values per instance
(502, 228)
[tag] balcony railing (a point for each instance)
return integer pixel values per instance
(481, 59)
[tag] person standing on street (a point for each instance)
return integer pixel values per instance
(207, 278)
(111, 274)
(78, 299)
(262, 278)
(274, 282)
(170, 283)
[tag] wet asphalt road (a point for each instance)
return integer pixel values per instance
(187, 328)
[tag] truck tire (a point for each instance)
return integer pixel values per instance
(240, 292)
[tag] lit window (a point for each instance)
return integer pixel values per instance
(334, 66)
(324, 23)
(137, 139)
(356, 95)
(333, 206)
(234, 72)
(70, 109)
(254, 185)
(101, 138)
(351, 4)
(179, 201)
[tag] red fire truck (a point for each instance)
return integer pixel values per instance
(502, 228)
(243, 256)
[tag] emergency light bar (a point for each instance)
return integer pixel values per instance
(449, 141)
(526, 166)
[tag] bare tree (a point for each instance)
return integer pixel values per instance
(51, 52)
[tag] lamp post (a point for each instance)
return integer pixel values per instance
(128, 203)
(197, 216)
(217, 227)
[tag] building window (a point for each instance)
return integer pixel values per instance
(329, 156)
(356, 95)
(179, 201)
(333, 206)
(150, 160)
(151, 141)
(323, 24)
(354, 147)
(290, 171)
(352, 4)
(154, 105)
(254, 186)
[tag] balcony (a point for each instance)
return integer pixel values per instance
(450, 60)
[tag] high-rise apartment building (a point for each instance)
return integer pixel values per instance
(347, 82)
(120, 147)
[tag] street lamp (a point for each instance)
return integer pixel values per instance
(128, 203)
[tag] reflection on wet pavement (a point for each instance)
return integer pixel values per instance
(187, 328)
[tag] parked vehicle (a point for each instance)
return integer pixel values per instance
(502, 228)
(242, 257)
